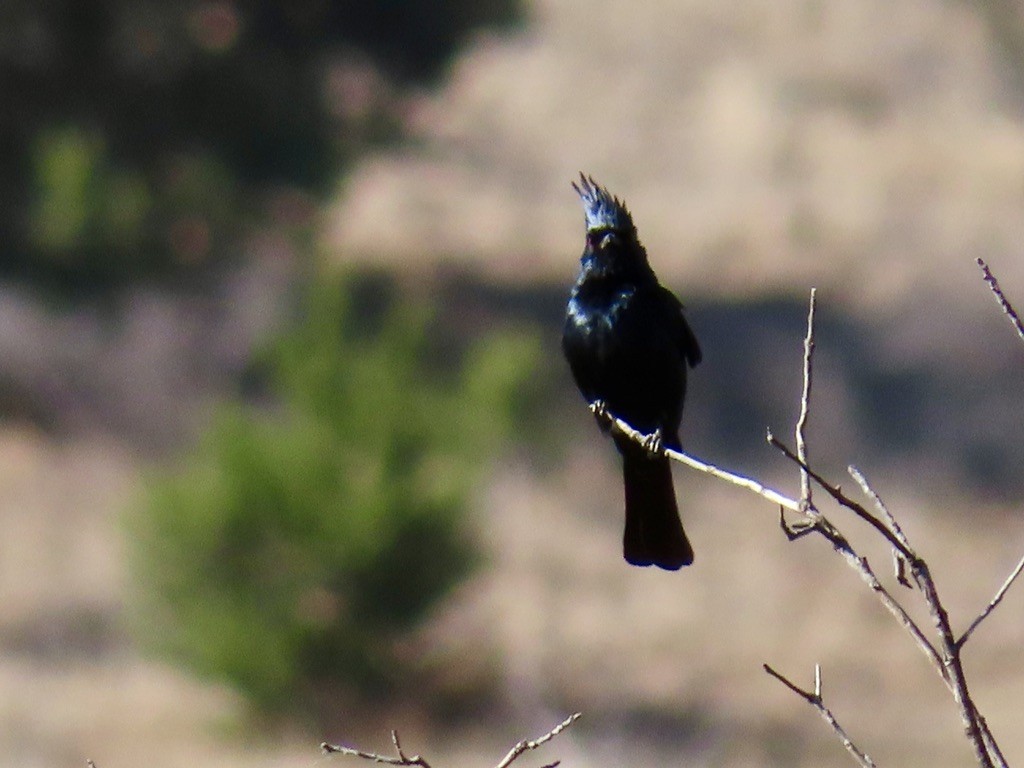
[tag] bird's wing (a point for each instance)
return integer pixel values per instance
(687, 342)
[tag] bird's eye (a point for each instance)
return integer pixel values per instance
(602, 239)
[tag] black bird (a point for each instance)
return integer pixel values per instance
(629, 345)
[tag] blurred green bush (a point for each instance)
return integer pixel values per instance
(141, 141)
(303, 539)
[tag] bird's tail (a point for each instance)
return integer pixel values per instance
(654, 533)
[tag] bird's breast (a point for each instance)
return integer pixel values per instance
(595, 324)
(599, 311)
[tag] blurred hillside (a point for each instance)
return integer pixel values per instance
(873, 149)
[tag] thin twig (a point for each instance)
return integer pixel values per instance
(805, 401)
(525, 746)
(839, 542)
(951, 667)
(945, 655)
(1015, 320)
(702, 466)
(1007, 308)
(404, 760)
(863, 567)
(843, 500)
(992, 604)
(898, 559)
(815, 522)
(401, 759)
(816, 701)
(862, 481)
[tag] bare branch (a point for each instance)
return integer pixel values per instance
(1007, 308)
(415, 760)
(816, 701)
(862, 481)
(805, 400)
(401, 759)
(992, 604)
(814, 522)
(951, 661)
(990, 741)
(843, 500)
(944, 653)
(950, 665)
(861, 565)
(701, 466)
(525, 746)
(899, 561)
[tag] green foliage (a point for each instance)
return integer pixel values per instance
(300, 543)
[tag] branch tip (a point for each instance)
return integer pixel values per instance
(815, 700)
(1003, 302)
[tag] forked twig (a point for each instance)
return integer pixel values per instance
(839, 542)
(898, 559)
(842, 499)
(992, 603)
(815, 700)
(401, 759)
(526, 746)
(944, 652)
(404, 760)
(949, 664)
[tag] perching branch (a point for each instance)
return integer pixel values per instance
(948, 664)
(699, 464)
(815, 700)
(943, 652)
(404, 760)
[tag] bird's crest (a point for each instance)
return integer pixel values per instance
(602, 209)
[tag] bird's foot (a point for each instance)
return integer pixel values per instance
(653, 443)
(600, 410)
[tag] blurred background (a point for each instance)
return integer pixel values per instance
(287, 448)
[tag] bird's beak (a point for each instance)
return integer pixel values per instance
(609, 238)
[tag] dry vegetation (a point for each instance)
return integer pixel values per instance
(867, 148)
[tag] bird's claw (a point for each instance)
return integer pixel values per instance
(653, 443)
(604, 417)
